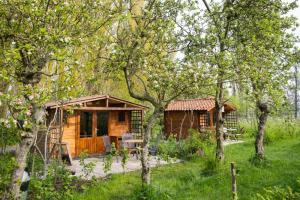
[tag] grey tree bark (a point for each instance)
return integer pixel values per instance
(27, 140)
(219, 123)
(146, 177)
(296, 91)
(262, 120)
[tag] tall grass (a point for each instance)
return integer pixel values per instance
(276, 129)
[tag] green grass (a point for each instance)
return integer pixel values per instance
(185, 180)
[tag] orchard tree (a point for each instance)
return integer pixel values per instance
(144, 47)
(265, 54)
(34, 33)
(207, 29)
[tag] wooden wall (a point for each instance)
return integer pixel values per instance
(69, 133)
(174, 120)
(116, 128)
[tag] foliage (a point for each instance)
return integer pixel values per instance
(7, 164)
(107, 163)
(87, 168)
(108, 159)
(9, 133)
(150, 192)
(279, 193)
(57, 185)
(185, 180)
(277, 128)
(212, 166)
(124, 157)
(195, 143)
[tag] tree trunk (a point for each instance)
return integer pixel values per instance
(219, 123)
(21, 158)
(263, 116)
(296, 91)
(27, 140)
(145, 149)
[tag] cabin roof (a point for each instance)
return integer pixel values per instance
(206, 104)
(85, 99)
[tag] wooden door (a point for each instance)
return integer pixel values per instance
(86, 132)
(93, 125)
(101, 130)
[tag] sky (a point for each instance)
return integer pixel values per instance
(296, 13)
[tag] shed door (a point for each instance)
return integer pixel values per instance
(92, 126)
(101, 130)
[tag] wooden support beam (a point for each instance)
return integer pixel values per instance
(106, 108)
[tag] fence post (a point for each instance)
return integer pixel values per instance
(233, 181)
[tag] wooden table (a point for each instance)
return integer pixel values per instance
(134, 141)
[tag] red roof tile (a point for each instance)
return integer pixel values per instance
(194, 104)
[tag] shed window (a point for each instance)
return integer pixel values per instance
(86, 119)
(121, 116)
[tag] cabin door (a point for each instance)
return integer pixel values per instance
(93, 125)
(100, 131)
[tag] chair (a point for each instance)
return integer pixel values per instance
(130, 146)
(107, 144)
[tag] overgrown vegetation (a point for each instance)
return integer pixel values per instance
(7, 164)
(186, 180)
(196, 144)
(279, 193)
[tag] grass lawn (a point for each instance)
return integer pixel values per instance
(185, 180)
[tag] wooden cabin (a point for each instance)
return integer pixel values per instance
(81, 123)
(199, 114)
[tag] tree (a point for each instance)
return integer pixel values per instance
(265, 54)
(296, 90)
(144, 49)
(35, 33)
(209, 38)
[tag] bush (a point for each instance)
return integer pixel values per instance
(9, 133)
(195, 143)
(7, 165)
(59, 184)
(212, 166)
(279, 193)
(151, 192)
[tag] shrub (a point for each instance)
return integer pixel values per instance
(279, 193)
(185, 148)
(87, 168)
(212, 166)
(9, 133)
(151, 192)
(58, 184)
(7, 165)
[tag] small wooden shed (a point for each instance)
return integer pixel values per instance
(199, 114)
(82, 122)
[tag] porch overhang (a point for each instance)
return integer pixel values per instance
(108, 108)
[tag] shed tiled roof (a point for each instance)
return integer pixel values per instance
(194, 104)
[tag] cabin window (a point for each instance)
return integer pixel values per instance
(121, 116)
(136, 121)
(86, 124)
(102, 121)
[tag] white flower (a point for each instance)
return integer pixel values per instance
(28, 113)
(30, 97)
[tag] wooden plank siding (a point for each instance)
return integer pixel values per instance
(116, 128)
(94, 104)
(181, 120)
(69, 130)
